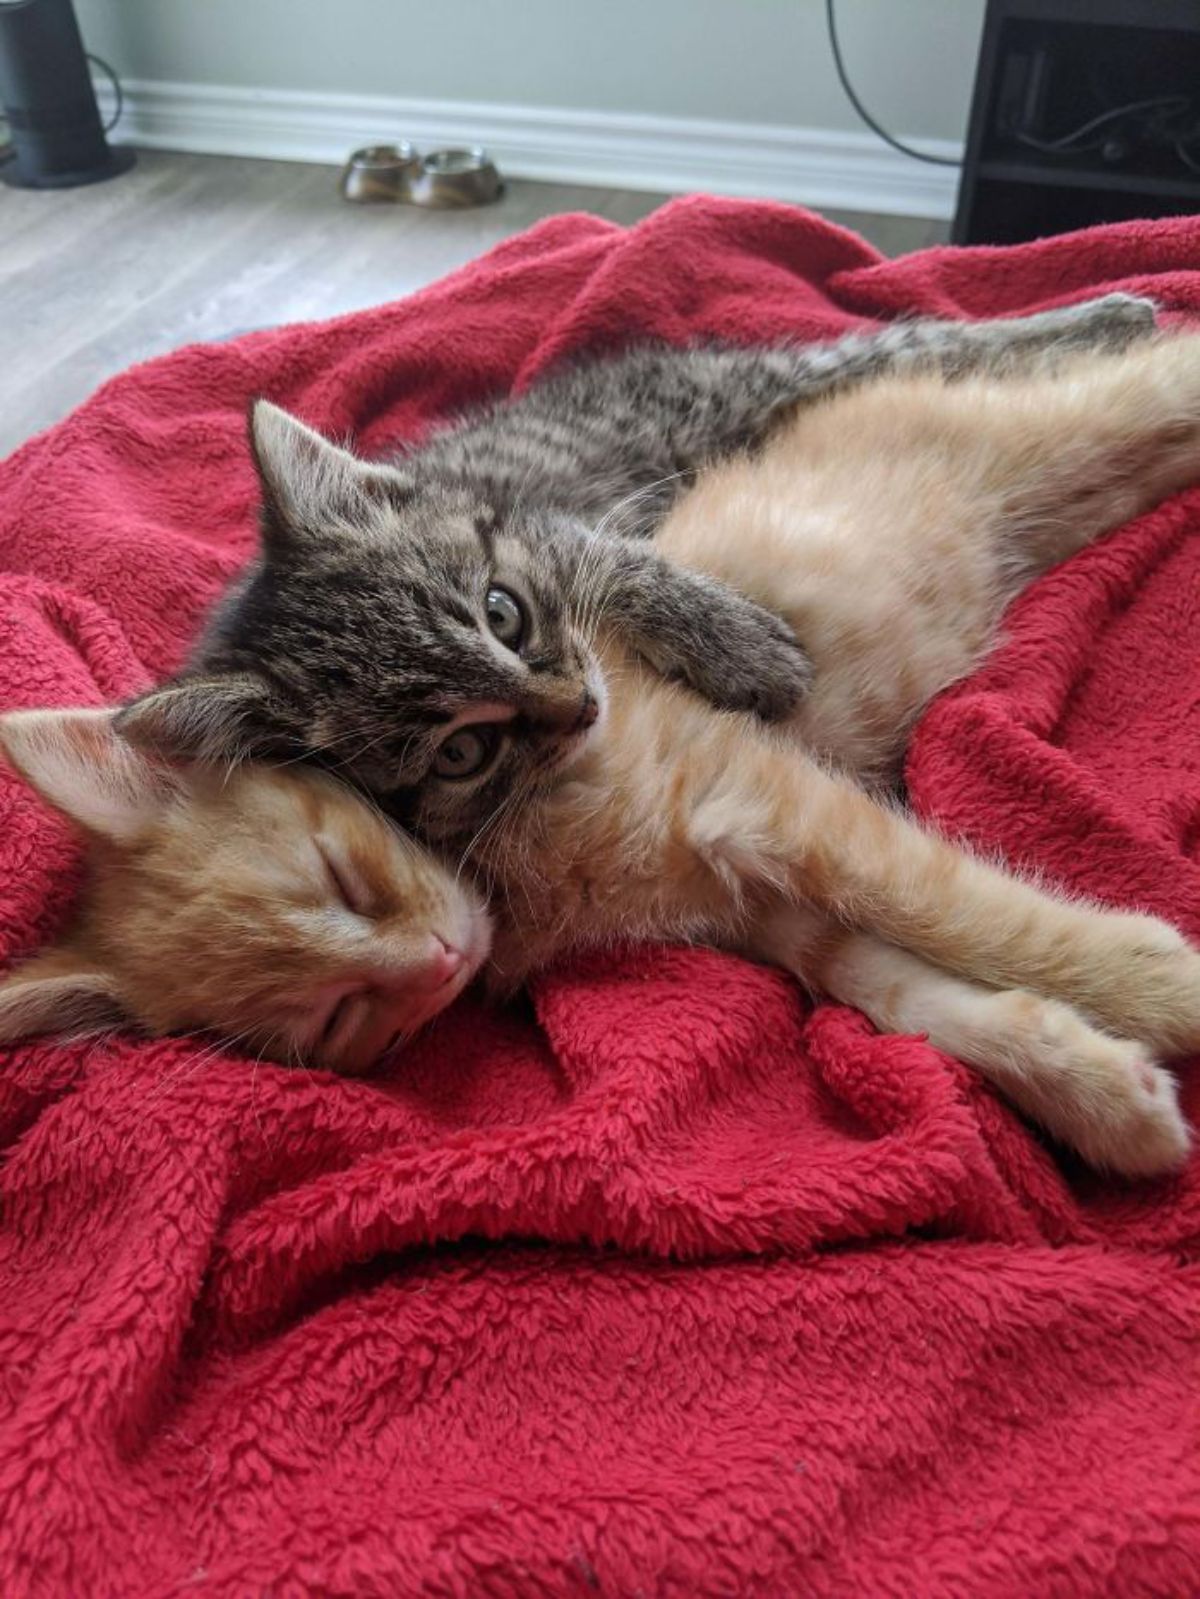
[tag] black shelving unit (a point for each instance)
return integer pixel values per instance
(1045, 68)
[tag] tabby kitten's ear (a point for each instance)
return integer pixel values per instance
(310, 485)
(210, 719)
(59, 992)
(81, 766)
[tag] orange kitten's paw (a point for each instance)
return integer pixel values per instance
(1146, 984)
(1101, 1095)
(1139, 1131)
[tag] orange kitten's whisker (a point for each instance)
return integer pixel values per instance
(188, 1067)
(178, 1074)
(254, 1090)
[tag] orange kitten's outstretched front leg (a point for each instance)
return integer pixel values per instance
(775, 818)
(1098, 1094)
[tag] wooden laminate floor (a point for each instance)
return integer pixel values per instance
(201, 247)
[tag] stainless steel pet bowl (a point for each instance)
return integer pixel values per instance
(442, 180)
(456, 178)
(379, 172)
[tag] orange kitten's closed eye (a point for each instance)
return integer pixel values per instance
(273, 906)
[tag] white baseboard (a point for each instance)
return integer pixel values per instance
(812, 166)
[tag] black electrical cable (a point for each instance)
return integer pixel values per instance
(1067, 144)
(847, 86)
(99, 61)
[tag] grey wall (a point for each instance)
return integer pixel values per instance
(763, 61)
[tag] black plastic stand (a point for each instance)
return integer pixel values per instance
(46, 91)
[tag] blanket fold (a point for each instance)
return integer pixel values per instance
(660, 1281)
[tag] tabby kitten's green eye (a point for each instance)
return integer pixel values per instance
(505, 617)
(465, 753)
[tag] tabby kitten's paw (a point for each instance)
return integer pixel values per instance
(754, 663)
(1114, 320)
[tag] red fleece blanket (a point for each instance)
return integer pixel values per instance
(663, 1284)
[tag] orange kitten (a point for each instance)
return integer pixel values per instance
(890, 526)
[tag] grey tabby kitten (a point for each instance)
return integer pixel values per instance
(424, 626)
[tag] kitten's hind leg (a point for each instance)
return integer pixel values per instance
(1111, 323)
(955, 349)
(1100, 1095)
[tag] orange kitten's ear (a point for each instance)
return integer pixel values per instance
(59, 992)
(79, 764)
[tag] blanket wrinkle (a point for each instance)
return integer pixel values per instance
(660, 1281)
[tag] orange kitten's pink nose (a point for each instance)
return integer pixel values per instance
(446, 961)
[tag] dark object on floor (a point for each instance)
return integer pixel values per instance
(46, 90)
(1084, 111)
(443, 180)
